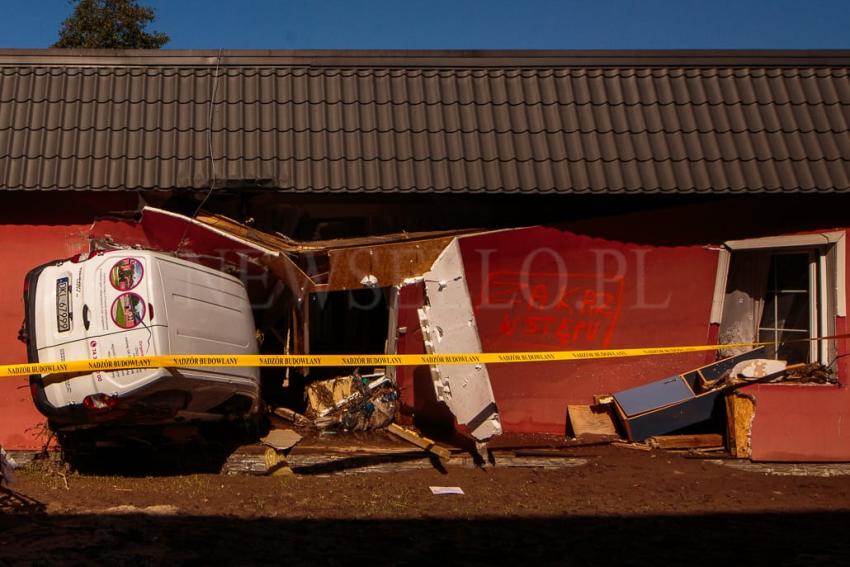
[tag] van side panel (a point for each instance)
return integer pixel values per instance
(208, 312)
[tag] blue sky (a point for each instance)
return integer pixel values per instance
(466, 24)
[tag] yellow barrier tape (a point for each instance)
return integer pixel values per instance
(352, 360)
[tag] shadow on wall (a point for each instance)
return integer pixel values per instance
(787, 539)
(712, 221)
(431, 415)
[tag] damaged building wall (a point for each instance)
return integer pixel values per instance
(654, 289)
(664, 300)
(805, 422)
(543, 289)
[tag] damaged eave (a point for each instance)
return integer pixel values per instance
(287, 244)
(382, 260)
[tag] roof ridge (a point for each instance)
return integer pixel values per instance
(425, 58)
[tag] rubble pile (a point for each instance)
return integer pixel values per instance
(352, 403)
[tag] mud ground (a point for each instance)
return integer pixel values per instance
(623, 506)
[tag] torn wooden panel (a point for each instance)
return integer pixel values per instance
(345, 263)
(284, 243)
(448, 326)
(740, 413)
(385, 265)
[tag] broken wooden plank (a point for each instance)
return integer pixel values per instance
(591, 420)
(740, 412)
(636, 446)
(512, 459)
(293, 417)
(698, 441)
(423, 442)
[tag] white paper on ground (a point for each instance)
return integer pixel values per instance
(446, 490)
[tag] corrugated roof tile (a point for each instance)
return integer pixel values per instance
(503, 129)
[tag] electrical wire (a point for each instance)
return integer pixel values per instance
(210, 158)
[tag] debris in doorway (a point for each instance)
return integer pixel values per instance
(352, 403)
(591, 421)
(423, 442)
(439, 490)
(699, 441)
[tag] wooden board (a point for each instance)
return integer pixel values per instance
(686, 441)
(591, 420)
(423, 442)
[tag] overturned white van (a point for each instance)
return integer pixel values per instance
(130, 303)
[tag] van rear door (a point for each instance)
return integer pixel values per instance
(109, 314)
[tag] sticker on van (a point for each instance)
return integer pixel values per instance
(126, 274)
(128, 310)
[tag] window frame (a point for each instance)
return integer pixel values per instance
(829, 259)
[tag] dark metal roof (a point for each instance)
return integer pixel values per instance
(571, 122)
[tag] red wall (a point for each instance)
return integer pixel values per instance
(36, 228)
(805, 422)
(644, 279)
(609, 295)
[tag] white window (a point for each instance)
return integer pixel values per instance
(781, 291)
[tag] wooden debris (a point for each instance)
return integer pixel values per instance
(602, 399)
(740, 412)
(292, 417)
(591, 420)
(276, 464)
(509, 459)
(323, 396)
(281, 439)
(423, 442)
(699, 441)
(636, 446)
